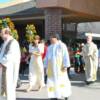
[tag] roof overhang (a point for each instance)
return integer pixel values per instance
(73, 10)
(14, 6)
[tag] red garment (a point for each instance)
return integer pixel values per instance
(23, 57)
(44, 53)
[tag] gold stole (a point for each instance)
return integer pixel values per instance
(3, 84)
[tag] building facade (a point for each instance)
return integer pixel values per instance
(51, 16)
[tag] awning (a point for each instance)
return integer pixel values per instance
(93, 27)
(84, 29)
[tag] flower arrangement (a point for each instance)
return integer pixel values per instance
(6, 22)
(30, 32)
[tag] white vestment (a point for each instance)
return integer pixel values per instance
(36, 70)
(90, 56)
(11, 62)
(58, 84)
(99, 58)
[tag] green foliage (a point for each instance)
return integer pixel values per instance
(30, 32)
(6, 22)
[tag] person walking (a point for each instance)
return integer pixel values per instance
(56, 62)
(36, 69)
(9, 64)
(90, 56)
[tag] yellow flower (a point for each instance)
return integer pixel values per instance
(11, 25)
(30, 32)
(0, 21)
(14, 33)
(8, 19)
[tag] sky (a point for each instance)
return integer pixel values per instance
(4, 1)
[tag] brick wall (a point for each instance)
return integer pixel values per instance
(53, 21)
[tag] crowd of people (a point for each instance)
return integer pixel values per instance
(76, 57)
(52, 59)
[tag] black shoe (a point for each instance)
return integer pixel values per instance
(53, 99)
(66, 98)
(89, 82)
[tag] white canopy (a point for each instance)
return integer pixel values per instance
(93, 27)
(93, 35)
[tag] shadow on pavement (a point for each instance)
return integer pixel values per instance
(30, 99)
(79, 84)
(78, 80)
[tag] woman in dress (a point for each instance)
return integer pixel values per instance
(36, 70)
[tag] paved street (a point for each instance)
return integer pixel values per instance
(80, 91)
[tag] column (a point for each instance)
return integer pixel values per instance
(53, 21)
